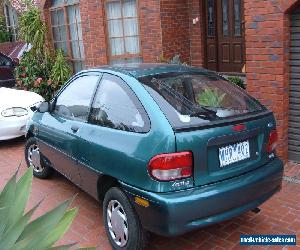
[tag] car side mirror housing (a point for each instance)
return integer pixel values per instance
(44, 107)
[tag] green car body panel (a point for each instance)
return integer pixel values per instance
(212, 195)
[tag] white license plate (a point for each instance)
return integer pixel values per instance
(234, 153)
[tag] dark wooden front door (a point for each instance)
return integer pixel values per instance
(225, 44)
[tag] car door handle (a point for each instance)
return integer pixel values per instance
(74, 128)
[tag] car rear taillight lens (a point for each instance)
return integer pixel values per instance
(170, 167)
(272, 143)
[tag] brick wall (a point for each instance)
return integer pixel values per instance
(94, 30)
(150, 30)
(267, 59)
(175, 28)
(196, 33)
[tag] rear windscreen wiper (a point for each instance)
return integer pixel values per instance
(204, 113)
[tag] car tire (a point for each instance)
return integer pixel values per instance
(123, 215)
(40, 170)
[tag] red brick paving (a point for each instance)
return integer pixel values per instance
(280, 215)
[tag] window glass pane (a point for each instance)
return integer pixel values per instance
(123, 31)
(59, 3)
(129, 8)
(11, 17)
(237, 18)
(71, 10)
(59, 30)
(115, 106)
(59, 33)
(81, 49)
(113, 10)
(117, 46)
(225, 17)
(74, 101)
(4, 61)
(57, 17)
(115, 28)
(131, 27)
(75, 50)
(132, 45)
(79, 30)
(61, 45)
(78, 66)
(56, 35)
(73, 32)
(180, 95)
(63, 33)
(211, 15)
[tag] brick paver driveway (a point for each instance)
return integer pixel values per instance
(280, 215)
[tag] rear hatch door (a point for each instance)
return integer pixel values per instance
(222, 152)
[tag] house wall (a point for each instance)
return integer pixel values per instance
(174, 16)
(267, 59)
(94, 30)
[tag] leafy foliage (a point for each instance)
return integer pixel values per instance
(40, 70)
(33, 73)
(4, 33)
(32, 29)
(174, 60)
(237, 81)
(16, 230)
(211, 98)
(61, 70)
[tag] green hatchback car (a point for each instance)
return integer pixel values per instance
(167, 148)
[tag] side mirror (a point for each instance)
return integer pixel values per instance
(44, 107)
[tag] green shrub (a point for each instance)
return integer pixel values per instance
(237, 81)
(40, 70)
(4, 33)
(211, 98)
(174, 60)
(61, 71)
(32, 29)
(16, 229)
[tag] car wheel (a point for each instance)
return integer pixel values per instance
(33, 159)
(122, 225)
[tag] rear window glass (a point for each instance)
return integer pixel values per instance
(189, 99)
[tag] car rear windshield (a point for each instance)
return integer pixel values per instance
(191, 99)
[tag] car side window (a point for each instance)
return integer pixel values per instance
(4, 61)
(74, 101)
(116, 106)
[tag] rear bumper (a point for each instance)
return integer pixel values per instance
(176, 213)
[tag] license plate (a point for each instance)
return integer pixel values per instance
(234, 153)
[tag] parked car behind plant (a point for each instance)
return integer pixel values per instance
(16, 107)
(145, 140)
(7, 66)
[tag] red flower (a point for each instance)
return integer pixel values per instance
(49, 82)
(39, 80)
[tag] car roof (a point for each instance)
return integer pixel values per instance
(138, 70)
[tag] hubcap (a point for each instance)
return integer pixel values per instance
(117, 223)
(34, 158)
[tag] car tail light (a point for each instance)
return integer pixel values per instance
(272, 143)
(170, 167)
(239, 127)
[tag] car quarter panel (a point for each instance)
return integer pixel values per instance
(125, 155)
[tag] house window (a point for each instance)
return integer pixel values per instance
(66, 30)
(123, 31)
(11, 17)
